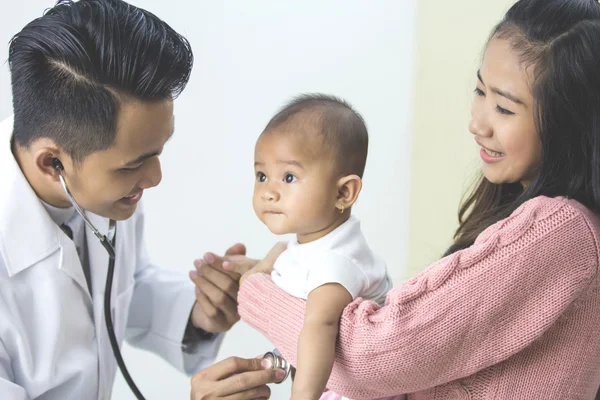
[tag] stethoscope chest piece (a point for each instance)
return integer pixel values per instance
(279, 363)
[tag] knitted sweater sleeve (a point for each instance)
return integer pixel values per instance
(468, 311)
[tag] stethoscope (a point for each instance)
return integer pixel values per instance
(108, 242)
(278, 362)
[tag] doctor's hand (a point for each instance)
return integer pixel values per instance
(243, 267)
(218, 280)
(216, 292)
(236, 379)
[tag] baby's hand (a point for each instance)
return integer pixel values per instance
(265, 266)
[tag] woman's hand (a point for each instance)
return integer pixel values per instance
(235, 379)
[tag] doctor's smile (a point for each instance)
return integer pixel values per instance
(132, 199)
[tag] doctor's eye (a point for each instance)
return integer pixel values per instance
(289, 178)
(131, 169)
(260, 177)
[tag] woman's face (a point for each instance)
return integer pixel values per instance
(502, 117)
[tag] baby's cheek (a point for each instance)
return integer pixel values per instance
(255, 205)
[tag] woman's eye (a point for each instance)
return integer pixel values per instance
(504, 111)
(479, 92)
(260, 177)
(289, 178)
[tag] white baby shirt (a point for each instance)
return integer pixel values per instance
(342, 256)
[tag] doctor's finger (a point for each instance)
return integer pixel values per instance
(229, 367)
(220, 279)
(206, 305)
(241, 384)
(237, 248)
(214, 303)
(220, 300)
(257, 393)
(216, 262)
(239, 266)
(240, 260)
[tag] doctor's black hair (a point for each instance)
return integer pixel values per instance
(343, 129)
(72, 68)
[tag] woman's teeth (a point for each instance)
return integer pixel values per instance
(493, 153)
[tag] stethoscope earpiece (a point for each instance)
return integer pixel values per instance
(57, 164)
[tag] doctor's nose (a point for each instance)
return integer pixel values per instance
(153, 174)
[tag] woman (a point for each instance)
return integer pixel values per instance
(511, 311)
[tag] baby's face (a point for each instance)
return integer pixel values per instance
(296, 186)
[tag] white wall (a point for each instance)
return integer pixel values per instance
(442, 173)
(251, 56)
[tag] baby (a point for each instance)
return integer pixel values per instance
(309, 163)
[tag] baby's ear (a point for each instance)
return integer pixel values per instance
(349, 188)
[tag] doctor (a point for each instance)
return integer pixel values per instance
(93, 84)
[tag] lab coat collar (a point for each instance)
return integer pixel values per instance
(59, 215)
(28, 234)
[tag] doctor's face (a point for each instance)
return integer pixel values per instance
(111, 182)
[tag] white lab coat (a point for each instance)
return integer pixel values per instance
(53, 339)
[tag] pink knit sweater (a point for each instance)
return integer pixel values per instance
(515, 316)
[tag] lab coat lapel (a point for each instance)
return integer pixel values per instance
(71, 265)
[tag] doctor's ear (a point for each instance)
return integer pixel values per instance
(49, 162)
(349, 188)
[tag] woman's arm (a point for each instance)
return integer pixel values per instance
(466, 312)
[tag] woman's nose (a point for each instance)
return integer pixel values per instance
(479, 124)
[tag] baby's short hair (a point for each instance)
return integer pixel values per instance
(343, 129)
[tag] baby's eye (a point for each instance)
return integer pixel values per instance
(260, 177)
(289, 178)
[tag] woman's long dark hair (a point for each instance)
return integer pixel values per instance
(560, 40)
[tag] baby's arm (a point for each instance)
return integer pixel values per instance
(316, 345)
